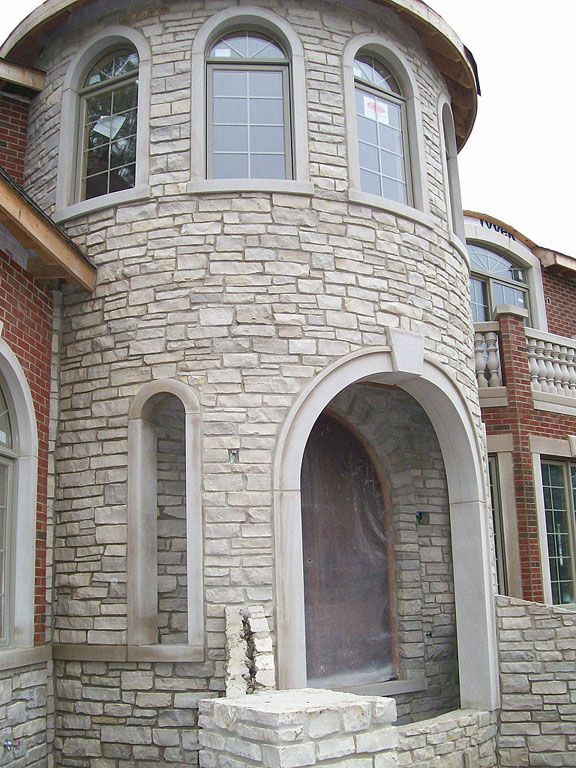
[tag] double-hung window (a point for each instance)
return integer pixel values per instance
(7, 460)
(109, 112)
(248, 111)
(382, 131)
(495, 281)
(559, 487)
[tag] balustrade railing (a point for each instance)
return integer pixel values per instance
(552, 363)
(487, 355)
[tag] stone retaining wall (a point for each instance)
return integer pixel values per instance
(537, 649)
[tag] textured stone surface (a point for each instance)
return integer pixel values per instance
(537, 653)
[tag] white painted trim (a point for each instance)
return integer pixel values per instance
(268, 21)
(142, 522)
(386, 49)
(67, 203)
(21, 608)
(448, 412)
(476, 233)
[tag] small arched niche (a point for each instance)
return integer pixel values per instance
(165, 595)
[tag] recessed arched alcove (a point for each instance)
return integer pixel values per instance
(450, 425)
(377, 559)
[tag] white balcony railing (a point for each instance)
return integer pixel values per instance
(487, 355)
(552, 363)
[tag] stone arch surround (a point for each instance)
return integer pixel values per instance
(402, 364)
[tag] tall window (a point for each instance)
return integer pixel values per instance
(109, 120)
(498, 525)
(248, 112)
(559, 486)
(381, 121)
(495, 280)
(7, 457)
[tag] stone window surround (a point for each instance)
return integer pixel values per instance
(67, 204)
(23, 524)
(402, 363)
(502, 447)
(519, 253)
(561, 450)
(449, 154)
(142, 503)
(386, 50)
(275, 26)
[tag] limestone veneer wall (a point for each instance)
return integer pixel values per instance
(245, 296)
(537, 650)
(27, 716)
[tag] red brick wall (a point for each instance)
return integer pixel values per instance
(521, 420)
(13, 128)
(26, 312)
(560, 295)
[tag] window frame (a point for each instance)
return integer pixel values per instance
(68, 186)
(271, 65)
(567, 465)
(385, 50)
(109, 86)
(277, 28)
(488, 280)
(364, 86)
(452, 190)
(7, 459)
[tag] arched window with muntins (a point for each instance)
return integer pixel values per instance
(248, 113)
(495, 281)
(109, 117)
(382, 131)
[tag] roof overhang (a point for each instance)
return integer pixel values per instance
(446, 50)
(53, 256)
(25, 77)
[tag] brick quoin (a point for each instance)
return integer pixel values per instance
(26, 312)
(521, 420)
(13, 135)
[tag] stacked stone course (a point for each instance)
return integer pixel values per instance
(537, 649)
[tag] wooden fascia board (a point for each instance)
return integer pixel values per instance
(36, 232)
(28, 77)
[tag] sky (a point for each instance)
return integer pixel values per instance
(519, 164)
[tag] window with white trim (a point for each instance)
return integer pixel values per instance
(109, 118)
(559, 488)
(249, 133)
(495, 280)
(382, 131)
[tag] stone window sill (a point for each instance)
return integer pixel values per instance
(391, 206)
(99, 203)
(285, 186)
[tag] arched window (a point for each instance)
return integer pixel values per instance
(248, 112)
(7, 461)
(495, 281)
(382, 131)
(109, 118)
(454, 199)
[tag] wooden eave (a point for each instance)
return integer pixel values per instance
(56, 257)
(445, 49)
(557, 263)
(17, 74)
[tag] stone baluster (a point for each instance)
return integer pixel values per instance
(541, 362)
(564, 373)
(548, 357)
(493, 362)
(480, 358)
(557, 369)
(533, 363)
(571, 365)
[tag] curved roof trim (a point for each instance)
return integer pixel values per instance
(445, 48)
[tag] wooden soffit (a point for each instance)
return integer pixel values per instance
(55, 256)
(446, 50)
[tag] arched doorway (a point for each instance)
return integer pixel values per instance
(347, 566)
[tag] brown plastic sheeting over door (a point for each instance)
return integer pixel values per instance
(345, 549)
